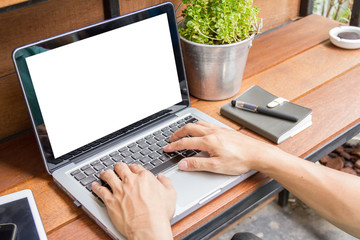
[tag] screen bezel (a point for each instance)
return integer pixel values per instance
(19, 55)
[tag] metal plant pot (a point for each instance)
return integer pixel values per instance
(214, 72)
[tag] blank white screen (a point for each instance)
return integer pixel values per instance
(95, 86)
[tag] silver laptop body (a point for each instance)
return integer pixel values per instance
(99, 89)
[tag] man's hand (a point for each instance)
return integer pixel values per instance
(141, 205)
(230, 152)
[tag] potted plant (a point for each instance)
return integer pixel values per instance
(216, 36)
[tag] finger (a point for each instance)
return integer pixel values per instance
(165, 181)
(206, 124)
(110, 177)
(192, 129)
(123, 171)
(101, 192)
(136, 168)
(194, 143)
(200, 164)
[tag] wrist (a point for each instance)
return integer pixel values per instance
(150, 228)
(268, 159)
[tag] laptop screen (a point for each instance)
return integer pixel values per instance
(92, 85)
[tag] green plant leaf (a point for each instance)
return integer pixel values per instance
(218, 21)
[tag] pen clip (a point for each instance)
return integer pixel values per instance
(276, 102)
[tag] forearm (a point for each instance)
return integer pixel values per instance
(333, 194)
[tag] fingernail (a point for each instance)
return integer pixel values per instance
(183, 165)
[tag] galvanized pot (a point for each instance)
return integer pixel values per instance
(214, 72)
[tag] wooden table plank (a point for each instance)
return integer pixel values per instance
(89, 230)
(283, 43)
(334, 107)
(20, 160)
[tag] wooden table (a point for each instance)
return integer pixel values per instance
(296, 61)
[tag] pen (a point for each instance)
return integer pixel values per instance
(258, 109)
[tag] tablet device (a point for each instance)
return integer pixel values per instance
(19, 217)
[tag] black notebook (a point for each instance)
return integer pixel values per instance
(274, 129)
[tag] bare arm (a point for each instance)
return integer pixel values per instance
(333, 194)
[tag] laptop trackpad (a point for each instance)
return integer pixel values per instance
(194, 186)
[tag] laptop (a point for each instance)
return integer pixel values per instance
(110, 92)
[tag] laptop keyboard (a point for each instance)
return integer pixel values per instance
(146, 151)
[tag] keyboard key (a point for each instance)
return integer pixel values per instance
(108, 162)
(140, 141)
(131, 145)
(137, 156)
(143, 145)
(117, 158)
(172, 154)
(192, 120)
(154, 155)
(95, 162)
(174, 129)
(145, 152)
(145, 160)
(123, 149)
(160, 137)
(75, 172)
(87, 180)
(114, 153)
(157, 133)
(126, 153)
(105, 169)
(188, 153)
(128, 160)
(167, 133)
(151, 141)
(85, 167)
(156, 162)
(162, 144)
(89, 171)
(135, 162)
(149, 137)
(104, 158)
(148, 166)
(154, 147)
(79, 176)
(180, 121)
(134, 149)
(99, 167)
(164, 158)
(165, 129)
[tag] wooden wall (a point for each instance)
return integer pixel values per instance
(38, 21)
